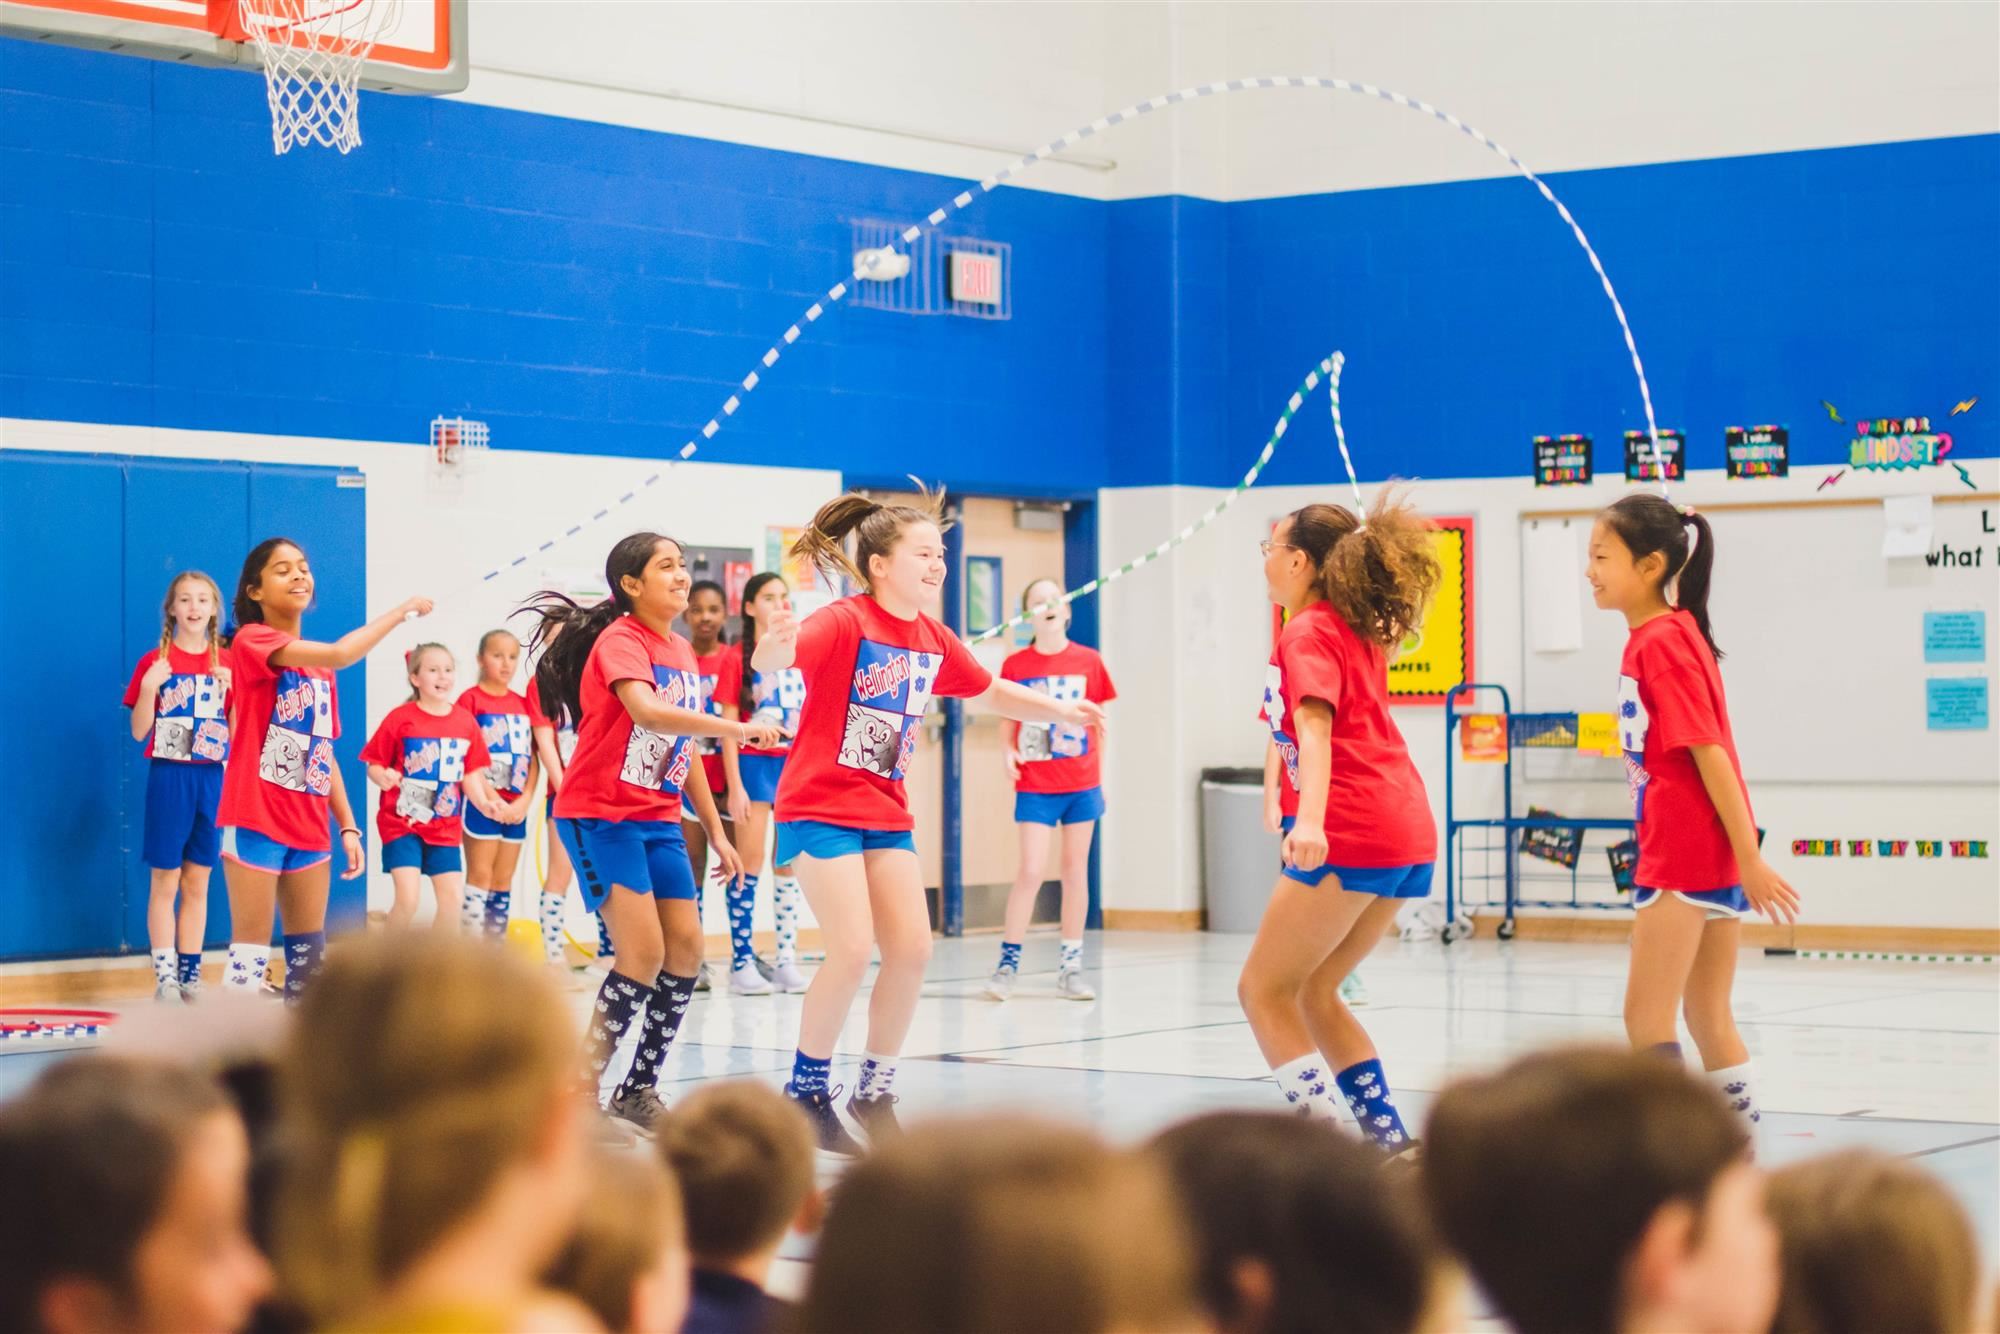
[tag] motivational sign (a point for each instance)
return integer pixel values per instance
(1897, 442)
(1640, 465)
(1757, 451)
(1562, 460)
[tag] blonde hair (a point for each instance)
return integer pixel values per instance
(997, 1224)
(1869, 1242)
(1379, 576)
(876, 528)
(214, 619)
(631, 1217)
(420, 1068)
(415, 657)
(743, 1154)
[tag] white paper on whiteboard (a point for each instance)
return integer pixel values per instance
(1554, 574)
(1907, 526)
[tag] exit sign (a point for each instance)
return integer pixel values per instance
(975, 278)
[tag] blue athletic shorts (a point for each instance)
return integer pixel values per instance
(479, 827)
(1716, 903)
(760, 776)
(1389, 882)
(1058, 808)
(264, 853)
(645, 856)
(817, 839)
(181, 800)
(429, 858)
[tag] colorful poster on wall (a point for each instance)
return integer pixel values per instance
(1639, 464)
(1758, 451)
(1562, 460)
(810, 591)
(1482, 738)
(1597, 734)
(1439, 656)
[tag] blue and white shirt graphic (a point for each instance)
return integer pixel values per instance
(653, 759)
(886, 703)
(1055, 741)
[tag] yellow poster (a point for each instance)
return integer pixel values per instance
(1597, 734)
(1439, 656)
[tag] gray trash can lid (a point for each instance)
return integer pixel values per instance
(1234, 776)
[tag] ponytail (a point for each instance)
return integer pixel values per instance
(566, 631)
(1647, 523)
(1378, 576)
(877, 527)
(746, 701)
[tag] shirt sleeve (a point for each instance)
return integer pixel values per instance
(1101, 688)
(252, 649)
(1683, 712)
(382, 748)
(146, 660)
(477, 758)
(960, 675)
(621, 658)
(729, 680)
(821, 635)
(536, 718)
(1313, 670)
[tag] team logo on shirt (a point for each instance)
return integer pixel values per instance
(433, 769)
(509, 739)
(298, 747)
(188, 720)
(654, 759)
(1055, 741)
(1632, 725)
(886, 703)
(1274, 714)
(779, 696)
(710, 705)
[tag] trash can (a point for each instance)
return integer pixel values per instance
(1238, 859)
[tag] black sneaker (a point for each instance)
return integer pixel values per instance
(876, 1116)
(832, 1135)
(640, 1108)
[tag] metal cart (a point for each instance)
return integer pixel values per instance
(1499, 838)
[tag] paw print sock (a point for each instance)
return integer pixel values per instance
(1367, 1092)
(1307, 1088)
(620, 1002)
(1734, 1083)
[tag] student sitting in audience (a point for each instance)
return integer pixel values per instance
(992, 1224)
(743, 1155)
(1299, 1230)
(1868, 1243)
(627, 1260)
(124, 1189)
(435, 1152)
(1593, 1192)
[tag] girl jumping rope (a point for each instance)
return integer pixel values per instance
(754, 774)
(179, 696)
(493, 842)
(630, 682)
(1056, 785)
(1699, 866)
(872, 664)
(281, 780)
(1359, 834)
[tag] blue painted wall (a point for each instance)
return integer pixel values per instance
(600, 289)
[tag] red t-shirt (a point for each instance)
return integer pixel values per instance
(712, 667)
(1670, 698)
(1377, 813)
(775, 696)
(622, 771)
(190, 709)
(433, 754)
(538, 717)
(869, 678)
(507, 726)
(1055, 758)
(280, 770)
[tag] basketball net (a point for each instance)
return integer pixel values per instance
(313, 51)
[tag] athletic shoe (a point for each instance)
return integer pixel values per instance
(831, 1134)
(876, 1116)
(787, 978)
(765, 968)
(1353, 993)
(745, 980)
(167, 991)
(1406, 1159)
(1071, 986)
(640, 1108)
(606, 1133)
(702, 980)
(189, 995)
(1001, 985)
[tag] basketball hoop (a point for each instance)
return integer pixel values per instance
(313, 51)
(452, 438)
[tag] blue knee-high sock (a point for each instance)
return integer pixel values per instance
(809, 1075)
(190, 970)
(1010, 956)
(664, 1010)
(1666, 1050)
(499, 911)
(742, 896)
(620, 1002)
(1367, 1092)
(604, 946)
(304, 953)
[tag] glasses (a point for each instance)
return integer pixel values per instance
(1267, 547)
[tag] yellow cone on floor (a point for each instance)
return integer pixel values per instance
(526, 936)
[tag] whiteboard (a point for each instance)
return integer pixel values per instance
(1822, 640)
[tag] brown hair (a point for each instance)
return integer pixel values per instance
(1870, 1242)
(1379, 575)
(631, 1216)
(488, 638)
(214, 620)
(877, 529)
(415, 657)
(1313, 1207)
(743, 1154)
(995, 1224)
(420, 1067)
(1636, 1133)
(559, 672)
(89, 1154)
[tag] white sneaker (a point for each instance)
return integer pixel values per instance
(1071, 986)
(745, 980)
(166, 991)
(787, 978)
(1001, 985)
(1353, 993)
